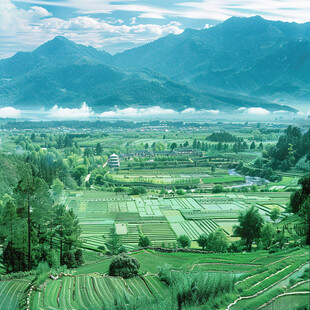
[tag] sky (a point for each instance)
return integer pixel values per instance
(117, 25)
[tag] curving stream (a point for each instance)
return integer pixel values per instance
(249, 181)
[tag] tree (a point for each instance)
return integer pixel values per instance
(180, 192)
(252, 146)
(267, 235)
(69, 259)
(113, 244)
(250, 225)
(124, 266)
(213, 168)
(67, 229)
(184, 241)
(57, 188)
(275, 213)
(136, 190)
(173, 146)
(202, 241)
(80, 171)
(218, 189)
(99, 180)
(217, 241)
(78, 254)
(144, 241)
(300, 203)
(87, 152)
(98, 149)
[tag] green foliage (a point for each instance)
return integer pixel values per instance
(69, 259)
(218, 189)
(124, 266)
(144, 241)
(180, 192)
(136, 190)
(79, 259)
(250, 225)
(57, 188)
(217, 241)
(267, 235)
(114, 245)
(200, 289)
(184, 241)
(223, 137)
(300, 202)
(202, 241)
(275, 213)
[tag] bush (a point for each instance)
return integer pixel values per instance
(119, 189)
(218, 189)
(184, 241)
(52, 259)
(180, 192)
(164, 274)
(136, 190)
(144, 241)
(79, 257)
(69, 259)
(124, 266)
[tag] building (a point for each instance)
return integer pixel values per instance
(114, 161)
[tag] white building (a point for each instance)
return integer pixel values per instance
(114, 161)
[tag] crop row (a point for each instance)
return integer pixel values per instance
(92, 292)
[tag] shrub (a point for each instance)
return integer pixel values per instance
(180, 192)
(184, 241)
(124, 266)
(79, 257)
(218, 189)
(144, 241)
(69, 259)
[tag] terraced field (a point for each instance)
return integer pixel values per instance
(163, 218)
(11, 293)
(93, 291)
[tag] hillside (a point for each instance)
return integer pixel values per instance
(251, 56)
(243, 62)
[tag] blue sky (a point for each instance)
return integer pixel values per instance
(116, 25)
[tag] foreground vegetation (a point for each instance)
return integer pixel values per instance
(188, 221)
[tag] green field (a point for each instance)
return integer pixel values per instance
(11, 293)
(92, 291)
(163, 217)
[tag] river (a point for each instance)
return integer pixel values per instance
(249, 181)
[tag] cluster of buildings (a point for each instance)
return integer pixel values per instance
(114, 160)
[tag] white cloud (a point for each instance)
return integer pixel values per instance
(188, 111)
(24, 30)
(212, 111)
(285, 10)
(138, 112)
(280, 112)
(13, 19)
(194, 111)
(207, 26)
(84, 112)
(9, 112)
(257, 111)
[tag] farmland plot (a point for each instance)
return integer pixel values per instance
(93, 291)
(11, 293)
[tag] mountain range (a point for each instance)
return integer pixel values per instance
(242, 62)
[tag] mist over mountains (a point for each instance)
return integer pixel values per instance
(243, 62)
